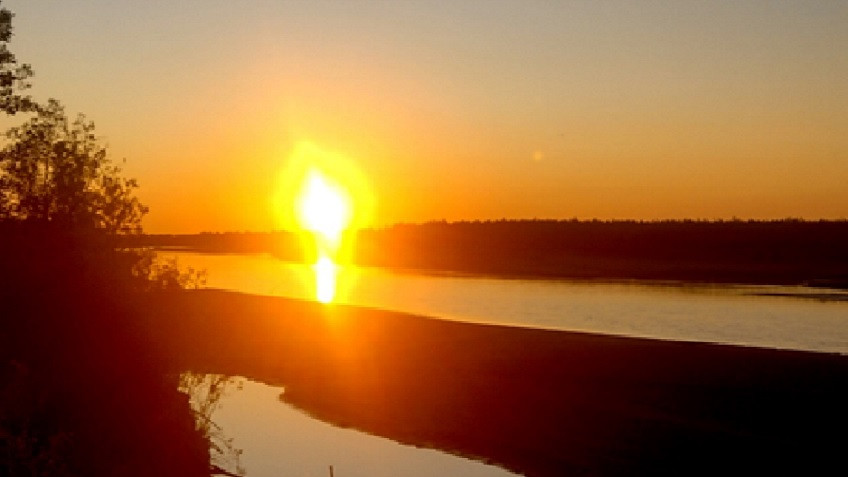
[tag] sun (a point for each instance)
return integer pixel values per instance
(325, 197)
(325, 210)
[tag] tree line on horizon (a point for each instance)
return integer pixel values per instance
(789, 251)
(771, 252)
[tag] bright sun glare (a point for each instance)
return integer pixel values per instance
(325, 196)
(324, 210)
(325, 279)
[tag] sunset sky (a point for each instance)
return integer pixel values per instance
(460, 110)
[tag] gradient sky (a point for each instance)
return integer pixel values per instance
(460, 110)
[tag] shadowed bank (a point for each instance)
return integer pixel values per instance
(538, 402)
(80, 391)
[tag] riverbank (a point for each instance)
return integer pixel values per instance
(539, 402)
(78, 394)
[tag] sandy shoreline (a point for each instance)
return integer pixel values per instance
(538, 402)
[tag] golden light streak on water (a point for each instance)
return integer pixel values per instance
(326, 197)
(325, 279)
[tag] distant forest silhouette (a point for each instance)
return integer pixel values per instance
(789, 251)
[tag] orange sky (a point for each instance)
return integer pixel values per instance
(480, 110)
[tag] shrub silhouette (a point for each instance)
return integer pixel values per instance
(54, 170)
(82, 390)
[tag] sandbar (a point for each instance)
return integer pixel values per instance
(538, 402)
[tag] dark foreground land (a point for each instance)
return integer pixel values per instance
(82, 392)
(542, 403)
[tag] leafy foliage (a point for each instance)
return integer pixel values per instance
(77, 379)
(151, 273)
(205, 392)
(14, 77)
(55, 170)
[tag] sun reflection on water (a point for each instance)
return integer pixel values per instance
(325, 196)
(325, 279)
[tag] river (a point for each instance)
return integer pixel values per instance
(768, 316)
(279, 440)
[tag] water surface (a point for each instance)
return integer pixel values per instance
(767, 316)
(278, 440)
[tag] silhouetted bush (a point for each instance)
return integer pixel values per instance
(82, 392)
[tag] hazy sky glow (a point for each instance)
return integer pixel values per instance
(461, 110)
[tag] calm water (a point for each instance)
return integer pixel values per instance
(722, 314)
(279, 440)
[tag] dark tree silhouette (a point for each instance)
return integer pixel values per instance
(82, 391)
(14, 77)
(54, 170)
